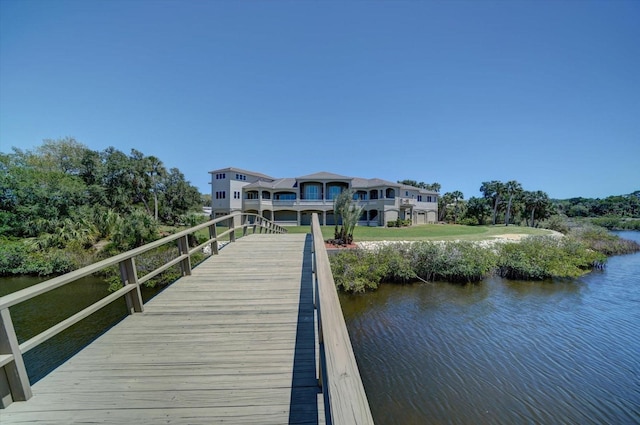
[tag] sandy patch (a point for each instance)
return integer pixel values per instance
(511, 236)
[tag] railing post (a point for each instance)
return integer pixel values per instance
(243, 223)
(232, 225)
(14, 381)
(255, 223)
(129, 276)
(213, 234)
(183, 249)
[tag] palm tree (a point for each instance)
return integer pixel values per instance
(493, 191)
(537, 201)
(443, 201)
(349, 213)
(512, 189)
(457, 196)
(156, 171)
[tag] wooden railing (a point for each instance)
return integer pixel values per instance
(338, 375)
(14, 382)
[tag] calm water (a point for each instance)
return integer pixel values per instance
(503, 352)
(40, 313)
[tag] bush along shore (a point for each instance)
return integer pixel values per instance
(532, 258)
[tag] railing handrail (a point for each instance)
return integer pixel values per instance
(15, 376)
(48, 285)
(339, 374)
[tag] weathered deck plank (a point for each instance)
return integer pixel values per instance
(234, 343)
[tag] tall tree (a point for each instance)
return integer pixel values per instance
(494, 192)
(443, 202)
(512, 190)
(348, 213)
(479, 209)
(537, 204)
(435, 187)
(457, 196)
(156, 172)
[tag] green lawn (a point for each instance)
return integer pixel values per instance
(427, 232)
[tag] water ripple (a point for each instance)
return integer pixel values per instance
(503, 352)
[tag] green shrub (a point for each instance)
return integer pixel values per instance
(604, 242)
(12, 255)
(16, 258)
(356, 270)
(542, 257)
(360, 270)
(461, 262)
(555, 222)
(469, 221)
(396, 261)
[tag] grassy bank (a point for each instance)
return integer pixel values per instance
(429, 232)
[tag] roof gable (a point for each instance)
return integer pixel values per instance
(323, 175)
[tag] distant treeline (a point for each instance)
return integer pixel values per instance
(615, 206)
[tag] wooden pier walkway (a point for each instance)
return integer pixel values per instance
(232, 343)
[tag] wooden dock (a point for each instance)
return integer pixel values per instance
(233, 343)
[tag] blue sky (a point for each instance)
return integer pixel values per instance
(459, 92)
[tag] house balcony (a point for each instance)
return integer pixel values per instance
(251, 203)
(314, 202)
(283, 202)
(408, 202)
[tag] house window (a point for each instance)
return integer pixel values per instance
(221, 194)
(284, 196)
(236, 195)
(360, 196)
(241, 177)
(406, 193)
(221, 176)
(312, 192)
(334, 191)
(419, 198)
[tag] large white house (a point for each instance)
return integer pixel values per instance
(291, 201)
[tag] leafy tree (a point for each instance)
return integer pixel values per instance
(65, 155)
(478, 209)
(618, 206)
(176, 196)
